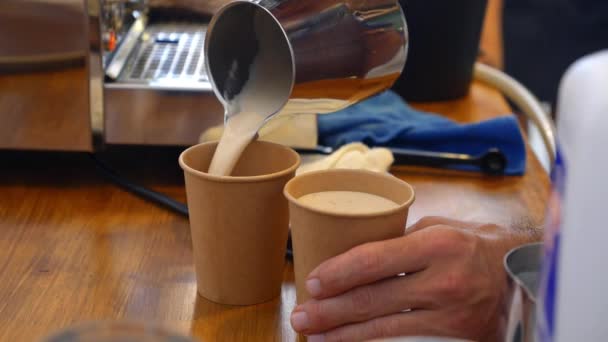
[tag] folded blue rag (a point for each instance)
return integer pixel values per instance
(386, 120)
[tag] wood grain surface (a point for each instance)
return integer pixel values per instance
(74, 247)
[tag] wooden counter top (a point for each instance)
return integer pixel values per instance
(74, 247)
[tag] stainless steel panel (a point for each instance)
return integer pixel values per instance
(123, 51)
(162, 95)
(44, 99)
(158, 117)
(95, 72)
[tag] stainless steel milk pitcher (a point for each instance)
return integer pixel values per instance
(320, 55)
(523, 266)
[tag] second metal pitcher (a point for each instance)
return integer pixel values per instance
(523, 265)
(321, 55)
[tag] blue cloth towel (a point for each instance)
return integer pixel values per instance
(386, 120)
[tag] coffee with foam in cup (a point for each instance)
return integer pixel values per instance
(333, 211)
(347, 202)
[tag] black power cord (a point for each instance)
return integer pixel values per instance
(153, 196)
(138, 190)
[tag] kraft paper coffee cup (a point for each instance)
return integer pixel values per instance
(239, 223)
(318, 235)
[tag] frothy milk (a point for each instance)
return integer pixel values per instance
(347, 202)
(240, 129)
(247, 112)
(238, 133)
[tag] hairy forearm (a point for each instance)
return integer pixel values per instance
(527, 231)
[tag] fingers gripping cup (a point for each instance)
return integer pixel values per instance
(333, 211)
(239, 224)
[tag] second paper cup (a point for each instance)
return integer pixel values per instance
(319, 234)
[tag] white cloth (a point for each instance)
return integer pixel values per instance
(352, 156)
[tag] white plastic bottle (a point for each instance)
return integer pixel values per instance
(573, 296)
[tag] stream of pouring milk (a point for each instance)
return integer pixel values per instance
(248, 111)
(239, 132)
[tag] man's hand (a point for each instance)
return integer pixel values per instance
(443, 278)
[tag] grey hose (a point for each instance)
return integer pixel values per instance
(525, 100)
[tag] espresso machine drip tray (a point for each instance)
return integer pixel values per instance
(168, 55)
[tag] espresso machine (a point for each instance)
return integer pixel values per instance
(78, 74)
